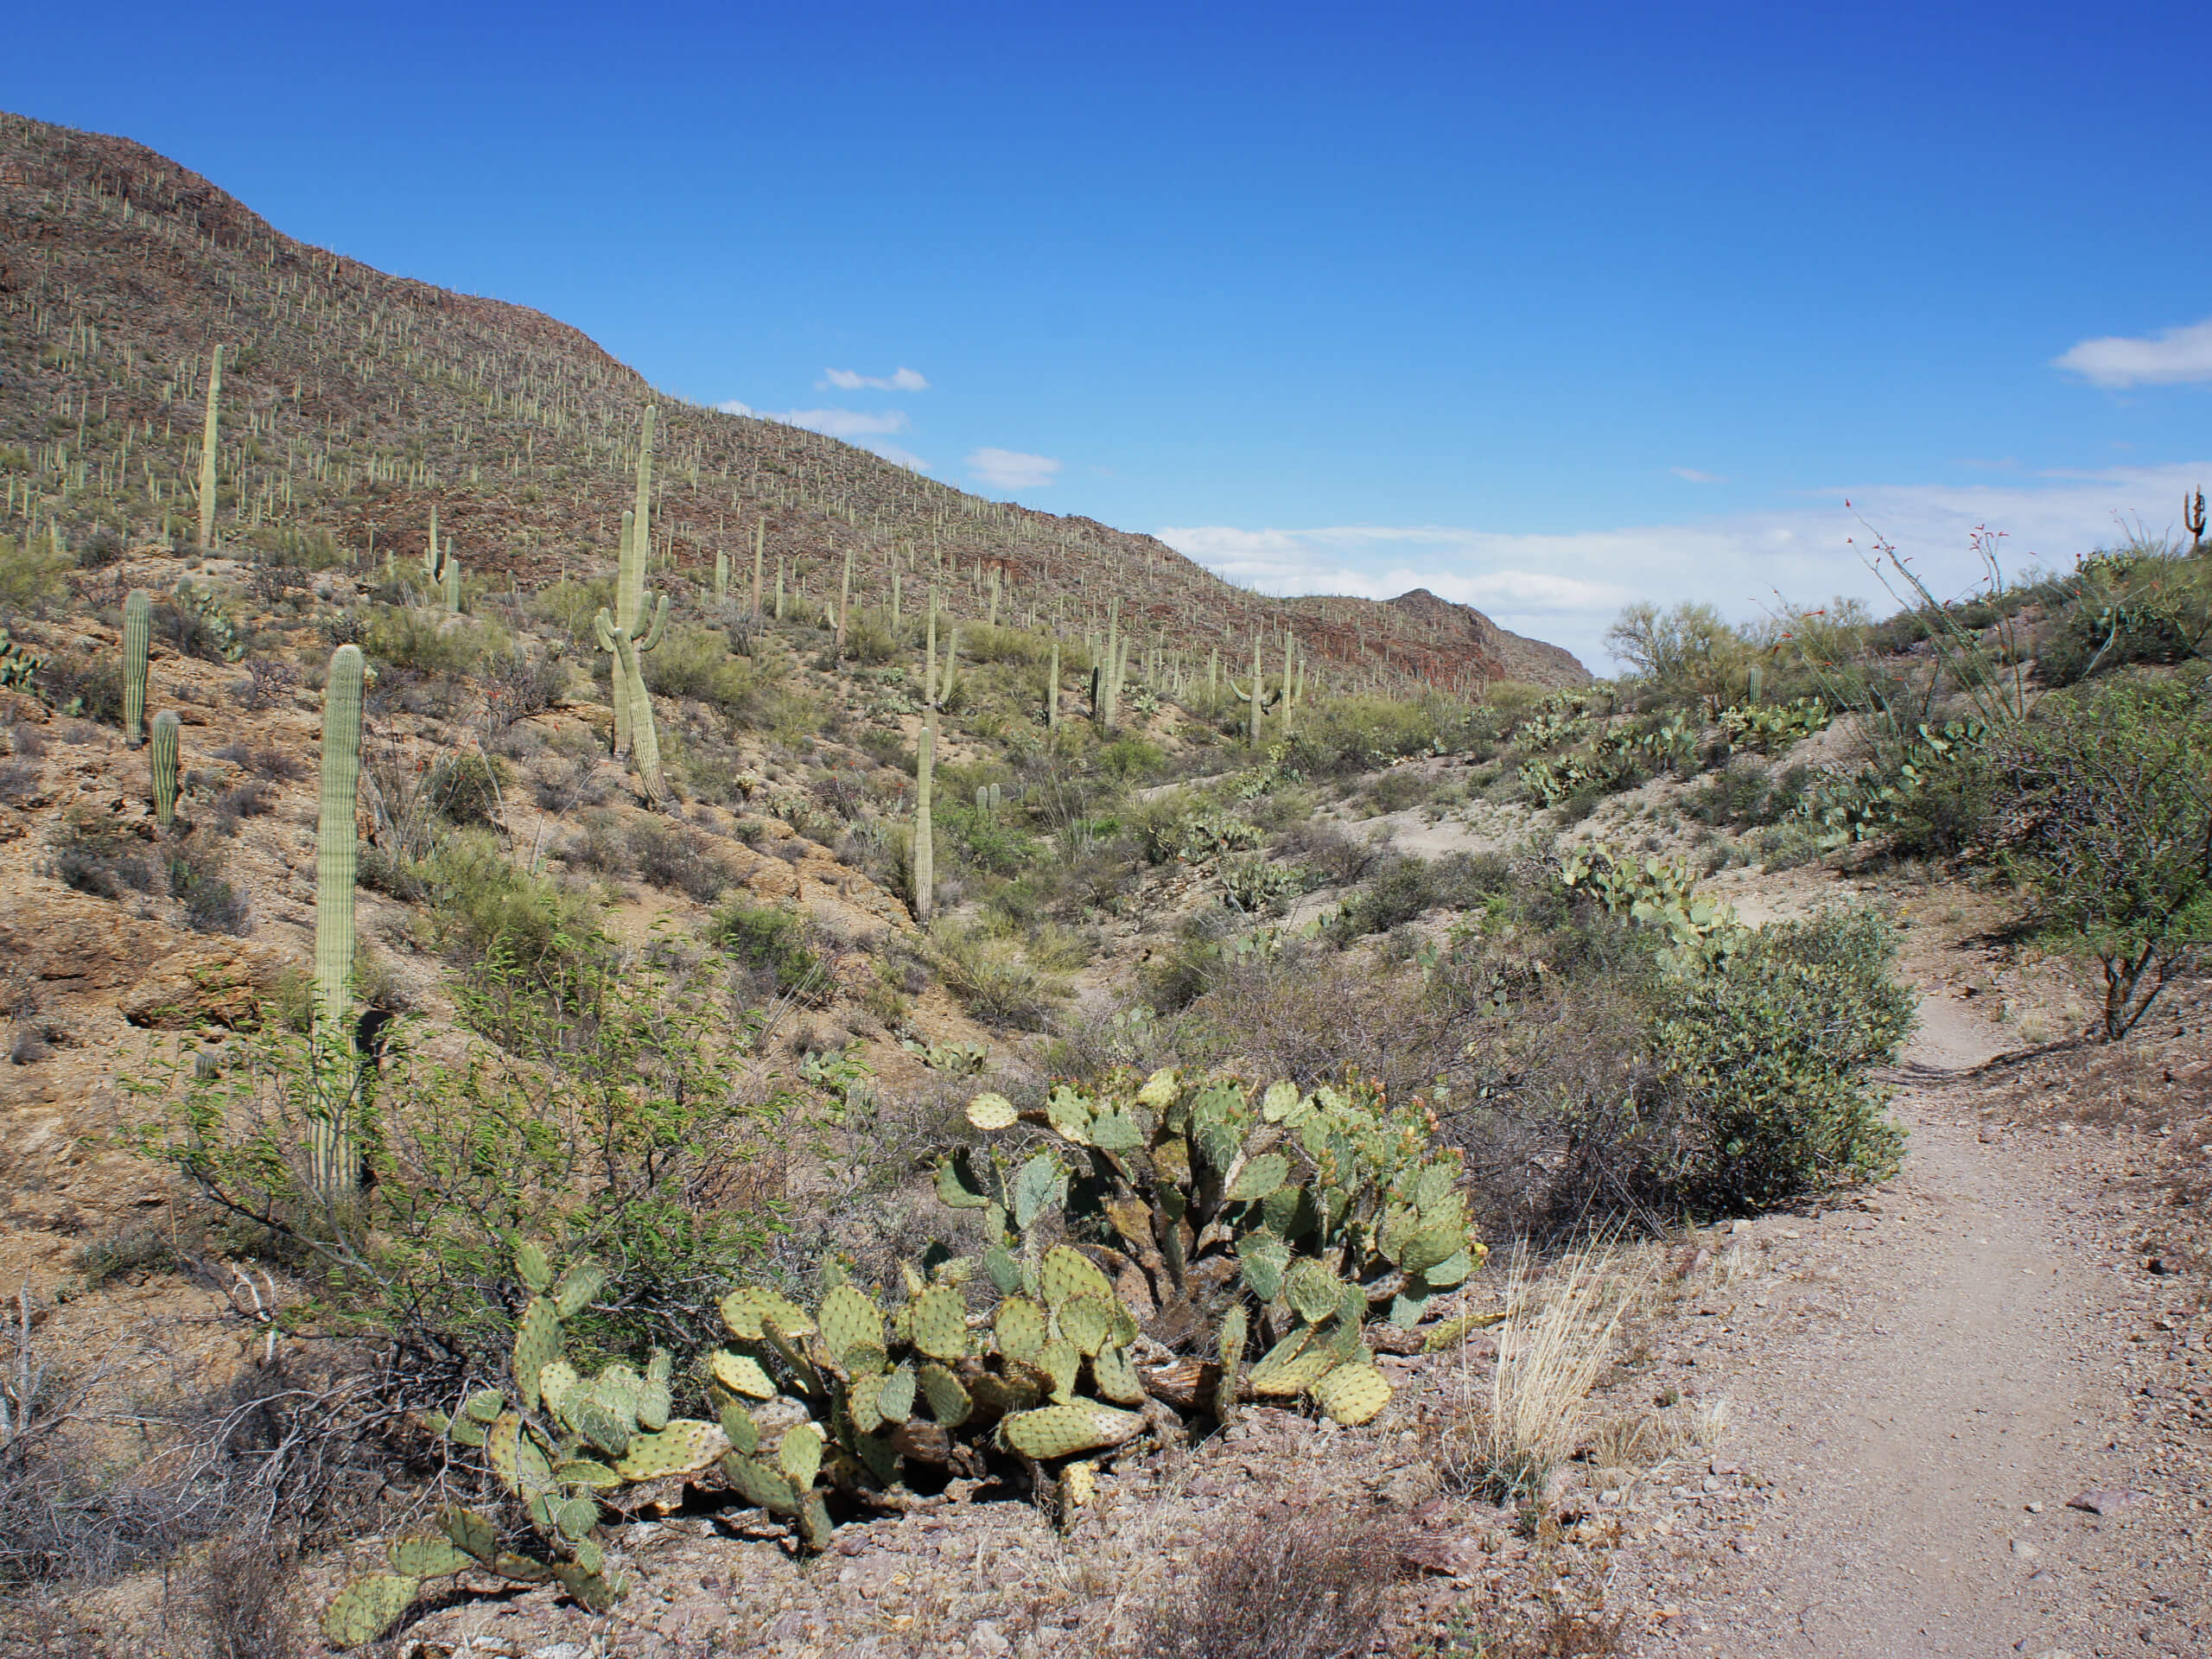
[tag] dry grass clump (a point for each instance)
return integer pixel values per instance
(1552, 1347)
(1311, 1587)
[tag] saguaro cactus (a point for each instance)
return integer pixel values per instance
(334, 1159)
(844, 599)
(629, 577)
(760, 552)
(137, 627)
(924, 873)
(721, 572)
(209, 437)
(1053, 691)
(641, 736)
(440, 565)
(164, 759)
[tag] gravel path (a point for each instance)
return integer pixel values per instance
(1920, 1427)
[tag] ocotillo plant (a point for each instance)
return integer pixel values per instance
(208, 439)
(644, 739)
(137, 627)
(334, 1159)
(162, 755)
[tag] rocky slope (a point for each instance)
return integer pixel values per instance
(354, 403)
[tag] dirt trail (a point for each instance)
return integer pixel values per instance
(1905, 1441)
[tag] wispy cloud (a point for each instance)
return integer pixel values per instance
(2172, 357)
(902, 379)
(842, 423)
(1566, 587)
(1009, 470)
(735, 406)
(892, 452)
(1691, 475)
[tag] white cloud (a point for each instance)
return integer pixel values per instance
(892, 452)
(1009, 470)
(1566, 586)
(733, 406)
(2169, 358)
(1691, 475)
(843, 422)
(903, 379)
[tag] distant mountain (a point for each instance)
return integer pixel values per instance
(354, 402)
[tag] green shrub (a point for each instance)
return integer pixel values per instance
(1767, 1052)
(28, 573)
(993, 980)
(2138, 605)
(695, 662)
(766, 938)
(2109, 818)
(430, 642)
(482, 906)
(468, 788)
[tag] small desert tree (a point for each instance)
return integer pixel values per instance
(2111, 823)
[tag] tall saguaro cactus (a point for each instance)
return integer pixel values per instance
(208, 438)
(924, 871)
(1053, 691)
(334, 1159)
(629, 577)
(637, 736)
(137, 629)
(440, 565)
(759, 553)
(162, 760)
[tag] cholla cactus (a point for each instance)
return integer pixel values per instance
(553, 1446)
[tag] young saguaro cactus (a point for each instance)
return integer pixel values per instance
(925, 855)
(162, 757)
(335, 1160)
(137, 628)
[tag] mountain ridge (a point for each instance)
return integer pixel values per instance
(355, 401)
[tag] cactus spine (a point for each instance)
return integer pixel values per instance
(137, 627)
(164, 759)
(334, 1159)
(208, 439)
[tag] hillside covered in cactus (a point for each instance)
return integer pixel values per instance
(356, 403)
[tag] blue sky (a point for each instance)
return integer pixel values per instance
(1544, 307)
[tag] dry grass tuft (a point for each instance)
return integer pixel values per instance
(1552, 1349)
(1310, 1589)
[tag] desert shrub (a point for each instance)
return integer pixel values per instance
(695, 662)
(467, 788)
(28, 573)
(680, 859)
(481, 904)
(1407, 887)
(86, 684)
(267, 760)
(773, 940)
(1766, 1054)
(2138, 605)
(196, 880)
(93, 854)
(1340, 860)
(246, 1599)
(2108, 818)
(993, 980)
(1316, 1590)
(570, 605)
(1398, 788)
(619, 1117)
(1686, 656)
(432, 642)
(516, 687)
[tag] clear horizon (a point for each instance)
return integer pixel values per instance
(1543, 312)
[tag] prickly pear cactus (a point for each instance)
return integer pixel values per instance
(1316, 1212)
(553, 1446)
